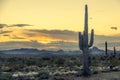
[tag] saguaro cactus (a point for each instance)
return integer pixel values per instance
(114, 51)
(106, 48)
(83, 44)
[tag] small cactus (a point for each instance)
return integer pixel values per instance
(106, 52)
(114, 52)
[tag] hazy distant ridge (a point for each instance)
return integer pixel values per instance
(93, 50)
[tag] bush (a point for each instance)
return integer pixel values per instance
(115, 79)
(78, 74)
(43, 75)
(5, 76)
(95, 72)
(58, 78)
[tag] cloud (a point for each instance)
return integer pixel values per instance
(17, 37)
(29, 34)
(3, 25)
(34, 44)
(18, 44)
(14, 25)
(54, 34)
(20, 25)
(68, 35)
(6, 35)
(63, 45)
(4, 32)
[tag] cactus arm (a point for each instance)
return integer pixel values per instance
(91, 39)
(80, 41)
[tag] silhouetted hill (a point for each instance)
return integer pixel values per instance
(93, 50)
(21, 51)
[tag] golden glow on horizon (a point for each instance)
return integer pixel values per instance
(18, 34)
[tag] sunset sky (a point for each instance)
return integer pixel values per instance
(50, 23)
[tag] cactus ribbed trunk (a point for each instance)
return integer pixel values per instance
(83, 44)
(114, 51)
(106, 48)
(86, 70)
(86, 25)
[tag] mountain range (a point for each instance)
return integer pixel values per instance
(93, 50)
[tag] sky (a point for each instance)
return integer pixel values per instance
(54, 24)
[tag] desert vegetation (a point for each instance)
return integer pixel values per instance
(54, 67)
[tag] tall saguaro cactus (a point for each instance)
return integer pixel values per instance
(83, 44)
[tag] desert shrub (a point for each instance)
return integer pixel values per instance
(115, 79)
(58, 78)
(5, 76)
(60, 62)
(77, 69)
(78, 74)
(95, 72)
(73, 58)
(78, 63)
(113, 63)
(43, 75)
(46, 58)
(30, 62)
